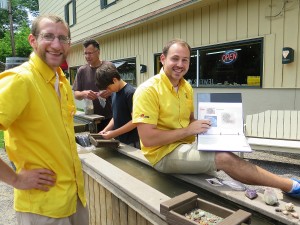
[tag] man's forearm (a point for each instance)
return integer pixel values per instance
(7, 174)
(78, 95)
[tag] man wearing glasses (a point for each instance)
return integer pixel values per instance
(85, 83)
(37, 109)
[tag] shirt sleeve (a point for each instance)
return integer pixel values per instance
(14, 97)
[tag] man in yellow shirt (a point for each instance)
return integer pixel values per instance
(36, 112)
(164, 113)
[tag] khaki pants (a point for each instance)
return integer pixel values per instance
(81, 217)
(186, 159)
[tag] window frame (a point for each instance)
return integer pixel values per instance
(67, 12)
(197, 62)
(104, 4)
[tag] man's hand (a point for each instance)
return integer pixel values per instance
(199, 126)
(41, 179)
(89, 94)
(104, 94)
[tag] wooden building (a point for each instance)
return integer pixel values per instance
(246, 46)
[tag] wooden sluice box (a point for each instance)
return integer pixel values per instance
(188, 209)
(98, 141)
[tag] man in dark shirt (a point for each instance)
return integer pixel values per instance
(84, 85)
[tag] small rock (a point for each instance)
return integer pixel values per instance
(285, 212)
(289, 207)
(295, 215)
(270, 197)
(278, 210)
(251, 194)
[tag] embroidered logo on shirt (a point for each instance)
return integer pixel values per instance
(143, 116)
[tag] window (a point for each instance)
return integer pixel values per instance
(72, 75)
(70, 13)
(236, 64)
(107, 3)
(127, 70)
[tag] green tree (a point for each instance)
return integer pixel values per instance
(20, 10)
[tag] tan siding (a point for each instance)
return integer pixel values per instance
(242, 11)
(197, 27)
(213, 23)
(231, 22)
(203, 23)
(297, 58)
(264, 23)
(290, 40)
(277, 27)
(269, 59)
(189, 28)
(253, 18)
(222, 21)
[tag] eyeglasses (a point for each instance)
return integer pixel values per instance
(50, 37)
(89, 53)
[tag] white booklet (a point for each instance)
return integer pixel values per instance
(225, 112)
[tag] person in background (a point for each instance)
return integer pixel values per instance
(84, 86)
(163, 110)
(36, 114)
(120, 126)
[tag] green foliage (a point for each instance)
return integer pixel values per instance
(20, 10)
(22, 46)
(1, 139)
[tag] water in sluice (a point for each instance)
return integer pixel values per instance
(170, 185)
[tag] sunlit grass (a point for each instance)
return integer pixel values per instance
(1, 139)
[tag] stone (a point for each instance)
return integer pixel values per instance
(270, 197)
(295, 215)
(289, 207)
(251, 194)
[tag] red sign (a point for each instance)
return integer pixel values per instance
(229, 57)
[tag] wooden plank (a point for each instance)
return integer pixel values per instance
(92, 201)
(123, 213)
(298, 127)
(86, 188)
(248, 131)
(103, 205)
(267, 127)
(273, 125)
(294, 125)
(286, 124)
(109, 211)
(132, 216)
(261, 124)
(141, 220)
(280, 124)
(115, 210)
(254, 124)
(97, 203)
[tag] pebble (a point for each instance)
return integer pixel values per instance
(295, 215)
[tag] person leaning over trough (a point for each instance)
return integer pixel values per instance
(163, 110)
(85, 82)
(120, 126)
(36, 114)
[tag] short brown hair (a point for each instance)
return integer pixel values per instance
(105, 75)
(175, 41)
(35, 29)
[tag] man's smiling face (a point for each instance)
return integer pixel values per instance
(53, 53)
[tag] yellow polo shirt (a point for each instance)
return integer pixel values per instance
(157, 102)
(39, 133)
